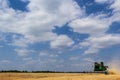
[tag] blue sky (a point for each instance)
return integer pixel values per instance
(60, 35)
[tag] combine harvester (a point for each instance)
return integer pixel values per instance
(100, 68)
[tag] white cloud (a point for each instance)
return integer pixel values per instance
(96, 43)
(96, 26)
(61, 41)
(4, 4)
(21, 42)
(116, 5)
(37, 24)
(116, 10)
(93, 25)
(23, 52)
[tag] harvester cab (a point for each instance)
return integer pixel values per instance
(100, 68)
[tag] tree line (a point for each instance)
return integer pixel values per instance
(25, 71)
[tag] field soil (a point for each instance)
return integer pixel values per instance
(57, 76)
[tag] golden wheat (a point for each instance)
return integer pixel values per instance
(57, 76)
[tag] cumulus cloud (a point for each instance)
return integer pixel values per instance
(116, 5)
(23, 52)
(38, 22)
(116, 11)
(98, 42)
(4, 4)
(21, 42)
(49, 16)
(96, 26)
(61, 41)
(92, 25)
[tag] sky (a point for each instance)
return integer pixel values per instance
(59, 35)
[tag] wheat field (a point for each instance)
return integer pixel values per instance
(57, 76)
